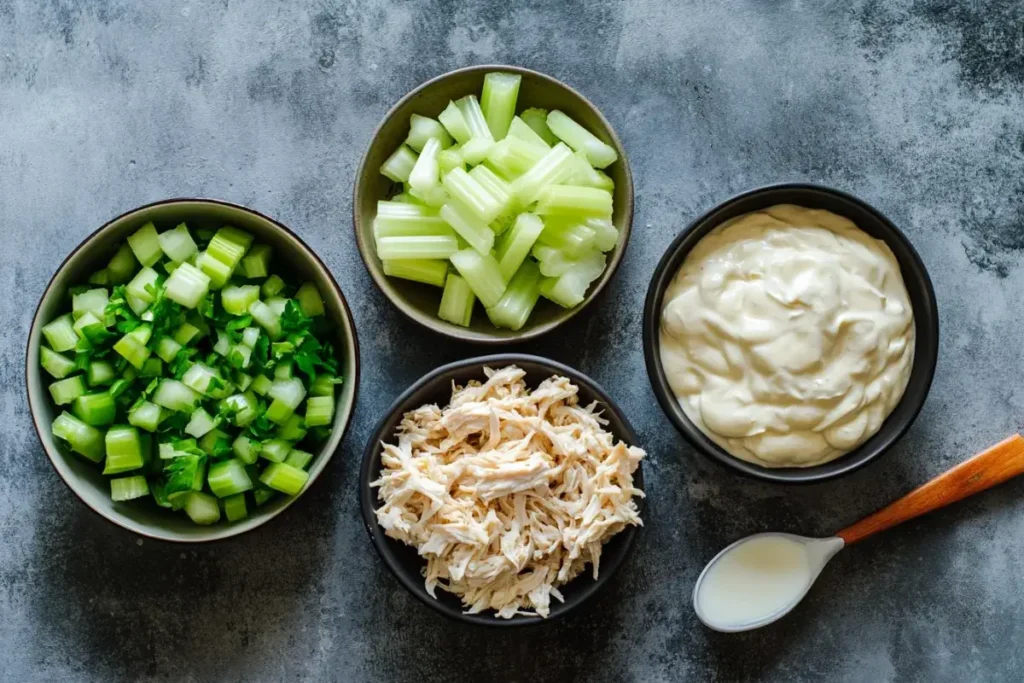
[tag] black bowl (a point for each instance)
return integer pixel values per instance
(436, 387)
(922, 298)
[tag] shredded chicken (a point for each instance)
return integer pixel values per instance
(507, 493)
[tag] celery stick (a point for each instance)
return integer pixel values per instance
(85, 440)
(456, 302)
(228, 478)
(146, 416)
(200, 424)
(516, 304)
(588, 176)
(520, 130)
(256, 262)
(432, 226)
(57, 365)
(178, 243)
(554, 167)
(267, 319)
(143, 285)
(554, 262)
(310, 301)
(469, 226)
(275, 450)
(128, 488)
(434, 197)
(60, 333)
(277, 304)
(137, 305)
(481, 273)
(124, 450)
(537, 119)
(570, 288)
(517, 242)
(122, 265)
(579, 138)
(455, 123)
(396, 219)
(476, 150)
(425, 173)
(320, 410)
(167, 349)
(427, 272)
(498, 101)
(273, 286)
(284, 478)
(202, 508)
(234, 507)
(174, 395)
(572, 238)
(245, 449)
(422, 128)
(428, 247)
(216, 270)
(399, 165)
(512, 157)
(66, 390)
(90, 301)
(298, 459)
(187, 285)
(469, 193)
(606, 234)
(449, 159)
(229, 246)
(97, 410)
(475, 120)
(209, 444)
(237, 299)
(572, 200)
(145, 244)
(495, 185)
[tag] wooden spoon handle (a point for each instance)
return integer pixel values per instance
(1003, 461)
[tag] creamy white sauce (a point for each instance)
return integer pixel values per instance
(788, 336)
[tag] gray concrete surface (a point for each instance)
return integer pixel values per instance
(915, 106)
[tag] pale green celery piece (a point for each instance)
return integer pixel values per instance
(319, 411)
(407, 197)
(100, 277)
(122, 265)
(128, 488)
(290, 392)
(145, 244)
(242, 407)
(200, 423)
(495, 185)
(228, 478)
(234, 507)
(299, 459)
(399, 165)
(323, 385)
(153, 367)
(537, 119)
(449, 159)
(513, 157)
(266, 318)
(398, 215)
(498, 101)
(433, 198)
(575, 201)
(124, 450)
(554, 263)
(229, 246)
(132, 346)
(425, 174)
(475, 120)
(174, 395)
(167, 349)
(579, 138)
(471, 228)
(481, 273)
(202, 508)
(422, 128)
(178, 244)
(606, 234)
(465, 190)
(137, 305)
(283, 370)
(275, 450)
(97, 409)
(294, 428)
(434, 226)
(66, 390)
(60, 333)
(143, 285)
(90, 301)
(187, 285)
(586, 175)
(250, 336)
(199, 377)
(284, 478)
(236, 299)
(516, 243)
(476, 150)
(455, 123)
(223, 344)
(90, 327)
(58, 365)
(424, 247)
(85, 440)
(256, 263)
(261, 384)
(570, 288)
(519, 129)
(514, 308)
(146, 416)
(245, 449)
(272, 286)
(555, 166)
(427, 272)
(208, 444)
(215, 270)
(310, 301)
(100, 373)
(457, 301)
(572, 238)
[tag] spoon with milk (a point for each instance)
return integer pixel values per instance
(761, 578)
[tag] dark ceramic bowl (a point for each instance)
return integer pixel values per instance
(420, 302)
(922, 298)
(290, 253)
(436, 387)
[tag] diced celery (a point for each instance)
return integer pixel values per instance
(239, 355)
(579, 138)
(512, 157)
(256, 263)
(146, 416)
(99, 373)
(275, 450)
(167, 349)
(310, 301)
(606, 235)
(519, 129)
(475, 120)
(250, 336)
(323, 385)
(229, 245)
(586, 175)
(124, 450)
(283, 370)
(234, 507)
(476, 150)
(434, 197)
(91, 328)
(411, 225)
(90, 301)
(570, 288)
(293, 429)
(537, 119)
(153, 367)
(273, 285)
(425, 173)
(418, 270)
(66, 390)
(481, 273)
(284, 478)
(128, 488)
(208, 443)
(100, 277)
(555, 166)
(498, 101)
(456, 306)
(120, 386)
(572, 238)
(496, 187)
(174, 395)
(59, 366)
(467, 192)
(202, 508)
(178, 244)
(399, 165)
(85, 440)
(228, 478)
(237, 299)
(287, 394)
(262, 495)
(554, 262)
(122, 265)
(137, 305)
(421, 129)
(469, 226)
(96, 409)
(516, 304)
(448, 160)
(246, 449)
(132, 346)
(145, 244)
(455, 123)
(215, 270)
(241, 380)
(185, 333)
(517, 242)
(261, 384)
(320, 410)
(266, 319)
(277, 305)
(60, 333)
(298, 459)
(426, 247)
(200, 377)
(187, 285)
(200, 424)
(241, 407)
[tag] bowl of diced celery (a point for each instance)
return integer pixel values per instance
(493, 204)
(191, 368)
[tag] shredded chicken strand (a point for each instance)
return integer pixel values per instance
(507, 493)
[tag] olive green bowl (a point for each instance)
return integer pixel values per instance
(420, 302)
(291, 256)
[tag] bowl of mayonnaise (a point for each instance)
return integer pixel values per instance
(791, 333)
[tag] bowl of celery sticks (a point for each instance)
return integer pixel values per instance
(493, 204)
(191, 368)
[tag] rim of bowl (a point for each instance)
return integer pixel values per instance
(329, 449)
(382, 544)
(434, 324)
(789, 475)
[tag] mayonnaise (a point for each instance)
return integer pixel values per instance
(788, 336)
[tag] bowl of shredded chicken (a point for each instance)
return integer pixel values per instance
(511, 486)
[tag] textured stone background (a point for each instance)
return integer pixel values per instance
(915, 106)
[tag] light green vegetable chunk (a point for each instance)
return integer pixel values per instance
(600, 154)
(482, 274)
(418, 270)
(498, 101)
(457, 301)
